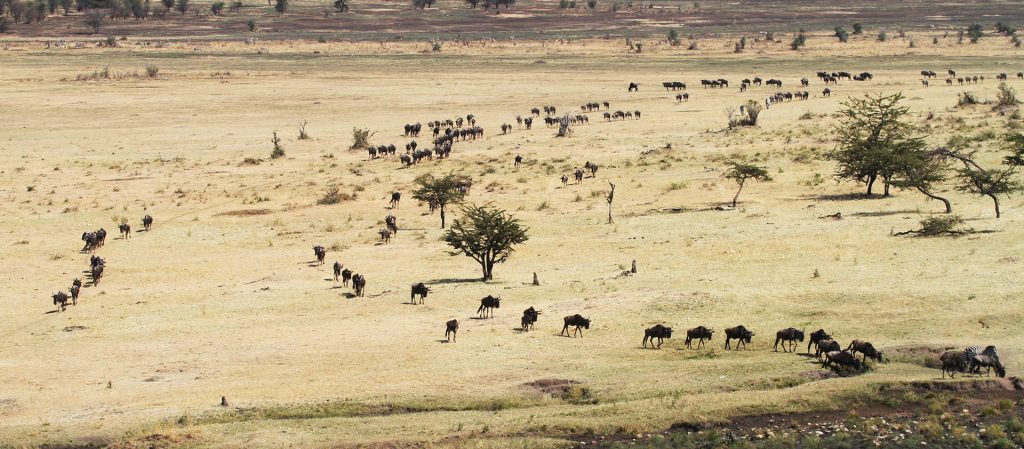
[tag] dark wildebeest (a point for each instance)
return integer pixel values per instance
(147, 222)
(579, 175)
(126, 230)
(529, 317)
(865, 348)
(592, 167)
(337, 270)
(75, 289)
(519, 161)
(659, 331)
(535, 111)
(699, 333)
(451, 328)
(633, 87)
(91, 241)
(359, 284)
(346, 275)
(817, 336)
(392, 224)
(826, 93)
(60, 299)
(804, 82)
(101, 237)
(953, 362)
(575, 320)
(320, 253)
(839, 360)
(683, 97)
(385, 235)
(826, 346)
(488, 304)
(791, 336)
(420, 290)
(565, 180)
(97, 273)
(396, 197)
(528, 122)
(738, 333)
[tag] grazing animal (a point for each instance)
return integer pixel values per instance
(529, 317)
(826, 346)
(450, 329)
(346, 275)
(528, 122)
(488, 304)
(579, 175)
(659, 331)
(840, 360)
(633, 87)
(60, 299)
(396, 198)
(865, 348)
(699, 333)
(817, 336)
(953, 362)
(789, 335)
(75, 288)
(337, 270)
(126, 230)
(359, 284)
(739, 333)
(827, 92)
(988, 358)
(320, 252)
(385, 235)
(420, 290)
(519, 161)
(576, 320)
(391, 222)
(147, 222)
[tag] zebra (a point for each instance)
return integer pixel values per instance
(987, 357)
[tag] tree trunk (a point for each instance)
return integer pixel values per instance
(995, 200)
(949, 207)
(490, 271)
(871, 183)
(885, 184)
(442, 216)
(737, 197)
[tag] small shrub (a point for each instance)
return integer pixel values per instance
(1007, 97)
(799, 41)
(974, 32)
(435, 46)
(673, 38)
(967, 99)
(841, 34)
(360, 138)
(591, 4)
(332, 196)
(251, 161)
(858, 28)
(321, 39)
(278, 151)
(251, 24)
(934, 226)
(302, 131)
(152, 70)
(883, 36)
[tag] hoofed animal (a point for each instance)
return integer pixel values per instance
(815, 337)
(487, 305)
(60, 299)
(578, 321)
(826, 346)
(865, 348)
(953, 362)
(788, 336)
(359, 284)
(346, 275)
(337, 270)
(699, 333)
(450, 329)
(75, 289)
(420, 290)
(839, 360)
(529, 318)
(320, 252)
(633, 87)
(740, 333)
(658, 331)
(147, 222)
(396, 198)
(126, 230)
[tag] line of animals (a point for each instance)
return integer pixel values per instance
(961, 80)
(93, 241)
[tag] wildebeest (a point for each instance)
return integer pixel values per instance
(91, 240)
(391, 222)
(528, 122)
(659, 331)
(773, 82)
(396, 198)
(633, 87)
(817, 336)
(359, 284)
(420, 290)
(488, 304)
(529, 318)
(96, 271)
(60, 300)
(789, 335)
(1020, 75)
(865, 348)
(683, 97)
(385, 235)
(953, 362)
(346, 275)
(75, 289)
(699, 333)
(579, 175)
(826, 93)
(535, 111)
(825, 346)
(320, 252)
(1001, 77)
(450, 329)
(576, 320)
(738, 333)
(565, 180)
(839, 360)
(592, 168)
(126, 230)
(147, 222)
(518, 161)
(804, 82)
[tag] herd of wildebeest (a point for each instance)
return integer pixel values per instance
(447, 132)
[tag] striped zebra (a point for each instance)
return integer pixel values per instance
(988, 358)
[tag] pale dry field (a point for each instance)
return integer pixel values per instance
(219, 302)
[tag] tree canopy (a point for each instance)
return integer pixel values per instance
(487, 235)
(441, 191)
(741, 173)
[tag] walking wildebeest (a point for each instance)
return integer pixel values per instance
(953, 362)
(579, 175)
(450, 329)
(75, 289)
(565, 180)
(420, 290)
(659, 331)
(97, 273)
(817, 336)
(346, 275)
(385, 235)
(789, 335)
(320, 252)
(337, 270)
(633, 87)
(519, 161)
(839, 360)
(738, 333)
(529, 317)
(396, 197)
(359, 284)
(827, 92)
(147, 222)
(699, 333)
(575, 320)
(60, 299)
(488, 304)
(865, 348)
(126, 230)
(825, 346)
(391, 222)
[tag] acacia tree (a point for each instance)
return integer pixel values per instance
(741, 173)
(442, 191)
(872, 135)
(922, 171)
(487, 235)
(992, 182)
(341, 5)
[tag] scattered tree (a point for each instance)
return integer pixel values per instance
(182, 6)
(920, 170)
(741, 173)
(216, 8)
(975, 179)
(673, 37)
(1006, 96)
(439, 192)
(611, 197)
(360, 138)
(842, 34)
(341, 5)
(858, 28)
(94, 19)
(799, 41)
(486, 234)
(251, 24)
(281, 6)
(974, 32)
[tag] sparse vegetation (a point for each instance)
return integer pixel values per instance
(278, 151)
(360, 139)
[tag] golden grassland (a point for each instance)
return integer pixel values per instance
(220, 298)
